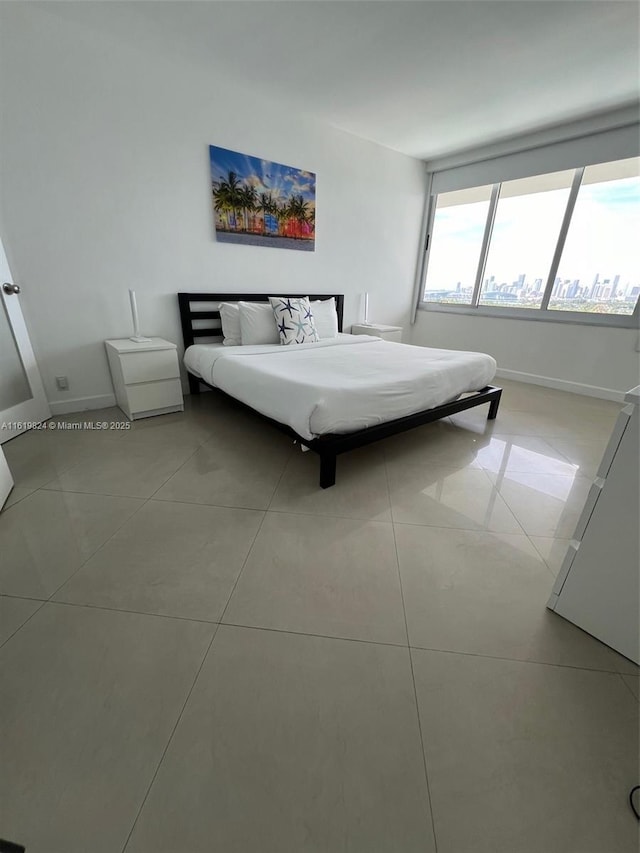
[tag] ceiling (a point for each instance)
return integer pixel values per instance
(425, 78)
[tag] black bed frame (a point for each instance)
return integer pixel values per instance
(328, 447)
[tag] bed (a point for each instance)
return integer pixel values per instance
(339, 393)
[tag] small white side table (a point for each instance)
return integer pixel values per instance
(146, 377)
(387, 333)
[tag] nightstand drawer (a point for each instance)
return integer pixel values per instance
(154, 395)
(149, 366)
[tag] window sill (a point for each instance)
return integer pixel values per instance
(616, 321)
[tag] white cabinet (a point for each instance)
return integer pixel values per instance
(598, 586)
(387, 333)
(146, 377)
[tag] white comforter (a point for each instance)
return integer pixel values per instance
(340, 384)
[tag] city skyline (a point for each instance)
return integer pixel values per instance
(606, 292)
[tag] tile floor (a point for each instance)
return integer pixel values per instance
(202, 651)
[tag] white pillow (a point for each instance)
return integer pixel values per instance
(294, 319)
(257, 323)
(230, 318)
(326, 319)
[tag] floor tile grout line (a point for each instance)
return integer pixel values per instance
(170, 739)
(23, 597)
(413, 678)
(388, 482)
(133, 612)
(295, 633)
(447, 651)
(497, 494)
(395, 548)
(63, 470)
(246, 559)
(494, 490)
(102, 545)
(313, 634)
(271, 509)
(392, 520)
(533, 545)
(20, 627)
(624, 681)
(424, 752)
(562, 453)
(117, 442)
(478, 467)
(334, 637)
(287, 462)
(173, 473)
(145, 501)
(517, 660)
(15, 503)
(327, 515)
(522, 534)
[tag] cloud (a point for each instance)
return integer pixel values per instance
(301, 188)
(256, 182)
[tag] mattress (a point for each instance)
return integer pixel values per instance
(342, 384)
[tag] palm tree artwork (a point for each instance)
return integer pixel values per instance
(262, 203)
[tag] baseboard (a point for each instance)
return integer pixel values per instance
(82, 404)
(562, 385)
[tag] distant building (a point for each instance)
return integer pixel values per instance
(498, 296)
(614, 287)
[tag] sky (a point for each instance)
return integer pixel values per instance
(602, 238)
(604, 233)
(281, 181)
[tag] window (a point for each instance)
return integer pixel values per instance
(559, 242)
(525, 232)
(599, 271)
(456, 238)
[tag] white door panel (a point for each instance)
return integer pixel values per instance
(22, 398)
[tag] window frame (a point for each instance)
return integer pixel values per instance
(541, 314)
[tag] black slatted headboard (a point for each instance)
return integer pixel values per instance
(189, 315)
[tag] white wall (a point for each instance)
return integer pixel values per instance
(593, 360)
(104, 185)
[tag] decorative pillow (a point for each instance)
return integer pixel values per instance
(294, 319)
(325, 317)
(230, 318)
(257, 323)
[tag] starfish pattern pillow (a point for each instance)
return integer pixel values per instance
(294, 319)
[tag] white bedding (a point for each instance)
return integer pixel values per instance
(340, 384)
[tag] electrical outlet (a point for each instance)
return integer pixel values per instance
(62, 382)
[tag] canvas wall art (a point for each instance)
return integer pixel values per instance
(260, 203)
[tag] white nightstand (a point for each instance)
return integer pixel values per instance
(387, 333)
(146, 377)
